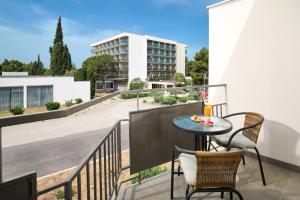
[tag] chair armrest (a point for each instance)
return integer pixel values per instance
(180, 150)
(234, 114)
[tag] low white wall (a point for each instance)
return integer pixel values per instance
(64, 88)
(254, 47)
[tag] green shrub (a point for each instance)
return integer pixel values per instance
(188, 82)
(169, 100)
(59, 194)
(193, 96)
(150, 173)
(69, 103)
(158, 97)
(78, 100)
(136, 83)
(17, 111)
(52, 105)
(133, 95)
(183, 99)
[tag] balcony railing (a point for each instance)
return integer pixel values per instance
(102, 167)
(108, 165)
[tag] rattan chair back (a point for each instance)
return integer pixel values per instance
(252, 118)
(217, 169)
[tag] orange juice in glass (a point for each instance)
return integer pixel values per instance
(207, 110)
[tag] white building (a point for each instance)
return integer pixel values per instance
(254, 47)
(143, 56)
(31, 91)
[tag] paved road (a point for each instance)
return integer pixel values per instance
(54, 145)
(49, 156)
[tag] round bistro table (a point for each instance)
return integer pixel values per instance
(221, 126)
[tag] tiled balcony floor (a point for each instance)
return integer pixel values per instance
(282, 184)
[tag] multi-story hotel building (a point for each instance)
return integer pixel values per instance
(147, 57)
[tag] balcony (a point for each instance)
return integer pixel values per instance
(108, 158)
(123, 43)
(249, 185)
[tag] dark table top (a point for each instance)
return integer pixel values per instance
(185, 123)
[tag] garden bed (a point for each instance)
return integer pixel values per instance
(60, 176)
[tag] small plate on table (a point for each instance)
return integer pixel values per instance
(196, 118)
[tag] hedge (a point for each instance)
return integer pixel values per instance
(169, 100)
(133, 95)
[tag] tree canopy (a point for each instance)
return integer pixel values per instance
(179, 77)
(60, 58)
(12, 66)
(198, 68)
(98, 68)
(136, 83)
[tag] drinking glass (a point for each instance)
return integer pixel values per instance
(207, 110)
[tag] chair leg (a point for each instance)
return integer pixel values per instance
(178, 170)
(244, 160)
(172, 175)
(238, 193)
(261, 167)
(222, 195)
(187, 190)
(231, 196)
(188, 197)
(209, 143)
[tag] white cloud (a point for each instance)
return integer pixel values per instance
(24, 45)
(38, 9)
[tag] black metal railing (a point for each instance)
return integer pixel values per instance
(100, 169)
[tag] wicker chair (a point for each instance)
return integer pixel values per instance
(243, 138)
(208, 171)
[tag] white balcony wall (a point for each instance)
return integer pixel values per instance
(254, 47)
(64, 88)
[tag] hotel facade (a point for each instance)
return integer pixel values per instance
(143, 56)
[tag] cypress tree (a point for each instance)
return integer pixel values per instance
(66, 59)
(60, 60)
(40, 67)
(59, 34)
(36, 68)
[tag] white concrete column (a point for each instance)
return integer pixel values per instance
(25, 96)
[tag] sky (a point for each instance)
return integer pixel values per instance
(27, 27)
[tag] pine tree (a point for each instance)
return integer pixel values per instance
(60, 60)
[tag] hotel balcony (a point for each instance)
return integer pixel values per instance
(253, 73)
(104, 173)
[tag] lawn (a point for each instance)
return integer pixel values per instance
(6, 113)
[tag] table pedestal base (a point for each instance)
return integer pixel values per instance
(201, 143)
